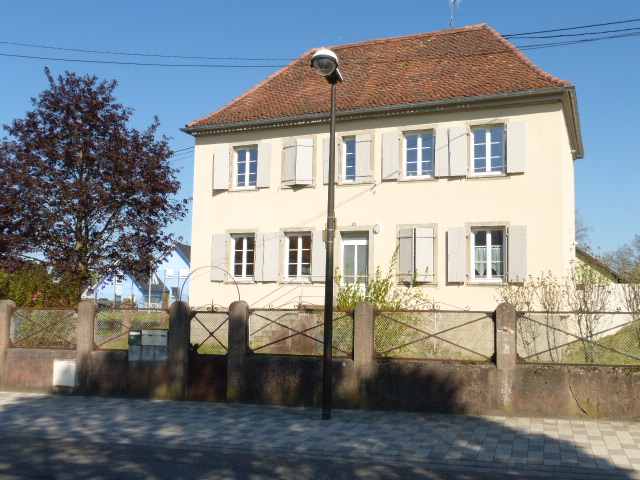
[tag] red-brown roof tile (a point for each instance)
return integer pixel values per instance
(461, 63)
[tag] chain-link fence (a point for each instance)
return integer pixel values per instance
(591, 338)
(293, 332)
(112, 326)
(435, 335)
(44, 328)
(209, 332)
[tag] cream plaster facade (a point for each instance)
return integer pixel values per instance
(541, 199)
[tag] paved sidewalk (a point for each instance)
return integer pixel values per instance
(545, 447)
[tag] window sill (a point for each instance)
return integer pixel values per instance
(243, 189)
(487, 175)
(417, 179)
(490, 283)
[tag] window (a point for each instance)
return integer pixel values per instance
(419, 155)
(168, 273)
(243, 256)
(246, 174)
(355, 257)
(119, 278)
(349, 174)
(416, 261)
(488, 254)
(184, 272)
(488, 151)
(298, 255)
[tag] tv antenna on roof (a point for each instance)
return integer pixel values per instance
(453, 4)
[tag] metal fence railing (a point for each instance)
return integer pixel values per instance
(44, 328)
(112, 326)
(435, 335)
(294, 332)
(583, 338)
(209, 332)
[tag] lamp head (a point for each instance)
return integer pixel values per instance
(325, 63)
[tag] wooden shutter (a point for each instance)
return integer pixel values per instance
(267, 267)
(516, 147)
(264, 165)
(517, 253)
(424, 265)
(391, 142)
(318, 256)
(218, 257)
(304, 161)
(458, 151)
(289, 166)
(441, 156)
(405, 254)
(364, 172)
(457, 255)
(221, 167)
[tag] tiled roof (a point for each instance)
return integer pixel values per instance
(459, 63)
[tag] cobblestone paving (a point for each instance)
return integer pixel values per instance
(553, 447)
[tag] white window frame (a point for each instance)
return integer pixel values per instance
(487, 150)
(355, 239)
(488, 276)
(419, 155)
(119, 278)
(243, 181)
(346, 157)
(298, 252)
(245, 252)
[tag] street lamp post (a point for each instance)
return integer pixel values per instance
(325, 62)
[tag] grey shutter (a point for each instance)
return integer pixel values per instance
(221, 167)
(441, 157)
(457, 255)
(264, 165)
(424, 264)
(318, 256)
(267, 260)
(289, 167)
(218, 257)
(304, 161)
(516, 147)
(364, 171)
(458, 151)
(405, 254)
(391, 142)
(517, 253)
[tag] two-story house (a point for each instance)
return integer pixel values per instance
(168, 282)
(452, 149)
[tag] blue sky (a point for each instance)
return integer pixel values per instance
(606, 73)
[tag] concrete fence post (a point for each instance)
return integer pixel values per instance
(505, 355)
(237, 350)
(178, 356)
(6, 307)
(363, 349)
(87, 311)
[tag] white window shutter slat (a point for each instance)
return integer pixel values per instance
(391, 142)
(458, 151)
(318, 256)
(264, 165)
(424, 254)
(457, 255)
(289, 166)
(304, 162)
(517, 253)
(405, 254)
(221, 167)
(364, 172)
(325, 161)
(441, 157)
(218, 257)
(516, 147)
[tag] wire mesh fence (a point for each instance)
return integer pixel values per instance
(584, 338)
(435, 335)
(44, 328)
(112, 326)
(209, 332)
(294, 332)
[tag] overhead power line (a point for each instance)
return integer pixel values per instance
(572, 28)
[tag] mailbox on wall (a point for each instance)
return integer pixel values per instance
(148, 345)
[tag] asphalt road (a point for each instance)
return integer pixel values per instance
(30, 457)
